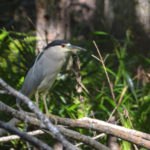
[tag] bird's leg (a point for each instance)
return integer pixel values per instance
(46, 108)
(45, 103)
(37, 98)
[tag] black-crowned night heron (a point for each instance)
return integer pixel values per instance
(47, 65)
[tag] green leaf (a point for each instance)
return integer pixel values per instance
(3, 34)
(111, 72)
(100, 33)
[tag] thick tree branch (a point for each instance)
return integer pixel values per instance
(25, 136)
(82, 138)
(136, 137)
(103, 126)
(40, 115)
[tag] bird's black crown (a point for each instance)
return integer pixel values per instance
(55, 43)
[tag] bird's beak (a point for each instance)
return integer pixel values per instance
(74, 48)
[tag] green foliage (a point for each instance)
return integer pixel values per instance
(16, 52)
(135, 102)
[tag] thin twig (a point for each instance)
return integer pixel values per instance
(96, 57)
(127, 114)
(95, 138)
(36, 142)
(16, 137)
(119, 102)
(107, 76)
(78, 87)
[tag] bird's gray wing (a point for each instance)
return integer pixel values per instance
(33, 77)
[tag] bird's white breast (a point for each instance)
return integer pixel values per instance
(52, 68)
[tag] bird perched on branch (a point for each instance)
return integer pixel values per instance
(47, 65)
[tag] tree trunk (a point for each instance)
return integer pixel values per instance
(143, 14)
(52, 21)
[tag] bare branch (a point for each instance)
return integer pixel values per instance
(119, 102)
(12, 122)
(34, 121)
(95, 138)
(109, 82)
(15, 137)
(136, 137)
(25, 136)
(86, 139)
(40, 115)
(4, 92)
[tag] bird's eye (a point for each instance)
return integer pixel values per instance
(62, 45)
